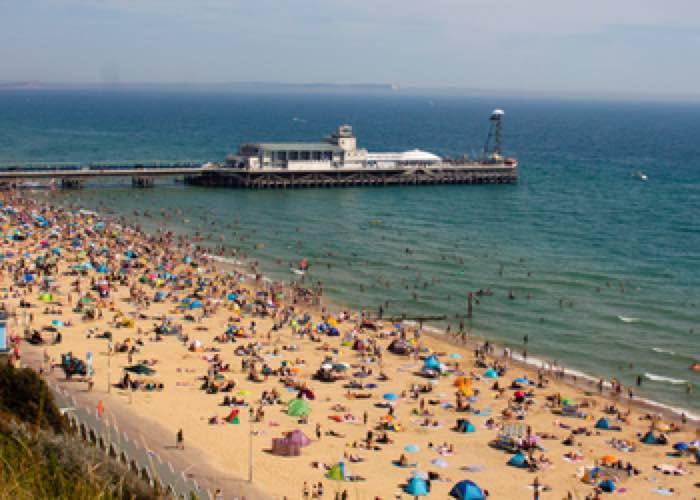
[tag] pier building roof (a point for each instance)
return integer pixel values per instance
(296, 146)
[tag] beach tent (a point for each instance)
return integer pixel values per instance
(607, 485)
(467, 490)
(490, 373)
(649, 438)
(298, 408)
(602, 423)
(432, 363)
(464, 425)
(517, 460)
(337, 472)
(232, 417)
(417, 487)
(290, 445)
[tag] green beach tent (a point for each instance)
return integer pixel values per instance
(337, 472)
(298, 408)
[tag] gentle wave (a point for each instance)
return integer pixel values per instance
(661, 378)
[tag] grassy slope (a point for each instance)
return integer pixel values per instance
(40, 459)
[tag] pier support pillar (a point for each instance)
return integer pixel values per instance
(142, 182)
(68, 183)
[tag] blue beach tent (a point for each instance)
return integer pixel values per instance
(649, 438)
(467, 490)
(417, 487)
(607, 486)
(602, 423)
(432, 363)
(517, 460)
(465, 425)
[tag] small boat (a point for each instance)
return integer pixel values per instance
(641, 176)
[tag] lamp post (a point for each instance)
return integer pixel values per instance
(250, 445)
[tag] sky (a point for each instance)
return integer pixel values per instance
(593, 46)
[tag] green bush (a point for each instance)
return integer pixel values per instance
(25, 395)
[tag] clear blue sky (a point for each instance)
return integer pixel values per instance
(639, 46)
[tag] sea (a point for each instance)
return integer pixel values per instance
(603, 268)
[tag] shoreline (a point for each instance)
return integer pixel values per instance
(570, 376)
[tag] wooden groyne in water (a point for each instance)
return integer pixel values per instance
(283, 178)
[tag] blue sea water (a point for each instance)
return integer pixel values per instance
(579, 240)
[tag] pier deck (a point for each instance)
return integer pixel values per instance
(283, 179)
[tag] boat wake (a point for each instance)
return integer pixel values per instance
(626, 319)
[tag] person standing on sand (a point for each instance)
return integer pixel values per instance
(536, 489)
(179, 440)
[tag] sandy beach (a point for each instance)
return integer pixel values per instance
(199, 333)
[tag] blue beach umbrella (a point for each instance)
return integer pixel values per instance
(456, 355)
(681, 446)
(390, 396)
(521, 380)
(467, 490)
(491, 373)
(411, 448)
(57, 322)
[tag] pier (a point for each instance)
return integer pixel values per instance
(284, 179)
(74, 176)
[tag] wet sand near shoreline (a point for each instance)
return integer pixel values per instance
(181, 404)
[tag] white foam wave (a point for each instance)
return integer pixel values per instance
(674, 409)
(661, 378)
(663, 351)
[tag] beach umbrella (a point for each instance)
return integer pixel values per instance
(456, 355)
(140, 369)
(490, 373)
(244, 392)
(412, 448)
(390, 396)
(371, 386)
(521, 381)
(298, 407)
(57, 322)
(417, 487)
(438, 462)
(681, 446)
(467, 490)
(419, 473)
(608, 460)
